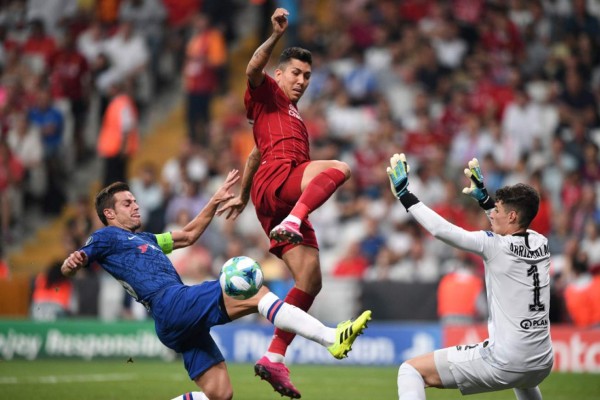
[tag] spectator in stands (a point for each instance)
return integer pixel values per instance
(179, 16)
(25, 142)
(582, 296)
(543, 220)
(206, 54)
(39, 47)
(52, 295)
(576, 102)
(11, 176)
(188, 163)
(119, 135)
(590, 168)
(90, 43)
(468, 141)
(54, 14)
(352, 263)
(418, 265)
(450, 48)
(360, 81)
(373, 240)
(500, 37)
(128, 56)
(586, 209)
(151, 196)
(70, 82)
(192, 199)
(537, 35)
(576, 135)
(50, 121)
(590, 245)
(459, 293)
(107, 12)
(81, 223)
(521, 121)
(560, 232)
(4, 267)
(148, 18)
(582, 22)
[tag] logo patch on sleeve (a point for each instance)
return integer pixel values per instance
(490, 234)
(89, 240)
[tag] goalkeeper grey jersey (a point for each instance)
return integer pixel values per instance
(518, 290)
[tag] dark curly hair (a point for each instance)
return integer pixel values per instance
(521, 198)
(106, 198)
(297, 53)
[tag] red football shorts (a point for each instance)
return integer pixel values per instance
(275, 190)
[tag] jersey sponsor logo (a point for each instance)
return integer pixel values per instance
(294, 112)
(89, 240)
(534, 323)
(523, 252)
(144, 247)
(490, 234)
(130, 237)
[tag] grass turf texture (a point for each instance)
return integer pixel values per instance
(67, 379)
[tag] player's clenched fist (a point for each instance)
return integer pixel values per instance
(279, 20)
(73, 263)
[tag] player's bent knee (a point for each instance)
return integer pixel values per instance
(225, 393)
(345, 168)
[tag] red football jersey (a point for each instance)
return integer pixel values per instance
(279, 132)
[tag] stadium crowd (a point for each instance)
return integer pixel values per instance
(515, 84)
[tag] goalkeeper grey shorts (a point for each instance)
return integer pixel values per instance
(463, 367)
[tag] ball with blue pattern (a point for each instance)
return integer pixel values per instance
(241, 277)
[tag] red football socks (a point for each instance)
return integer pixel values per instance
(282, 339)
(318, 191)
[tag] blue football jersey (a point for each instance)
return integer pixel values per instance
(136, 260)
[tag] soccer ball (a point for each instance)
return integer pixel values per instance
(241, 277)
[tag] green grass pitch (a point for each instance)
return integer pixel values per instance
(106, 380)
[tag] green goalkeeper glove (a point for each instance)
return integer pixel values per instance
(398, 174)
(477, 189)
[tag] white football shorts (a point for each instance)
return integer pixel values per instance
(463, 367)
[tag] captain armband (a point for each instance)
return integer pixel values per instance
(165, 241)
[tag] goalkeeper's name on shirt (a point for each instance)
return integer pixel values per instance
(523, 252)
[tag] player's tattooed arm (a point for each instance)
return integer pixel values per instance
(260, 58)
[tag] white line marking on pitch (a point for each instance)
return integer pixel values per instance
(7, 380)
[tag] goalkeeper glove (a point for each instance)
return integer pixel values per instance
(477, 189)
(398, 174)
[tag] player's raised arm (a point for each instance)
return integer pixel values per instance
(430, 220)
(192, 231)
(235, 206)
(260, 58)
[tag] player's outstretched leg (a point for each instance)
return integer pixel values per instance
(345, 334)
